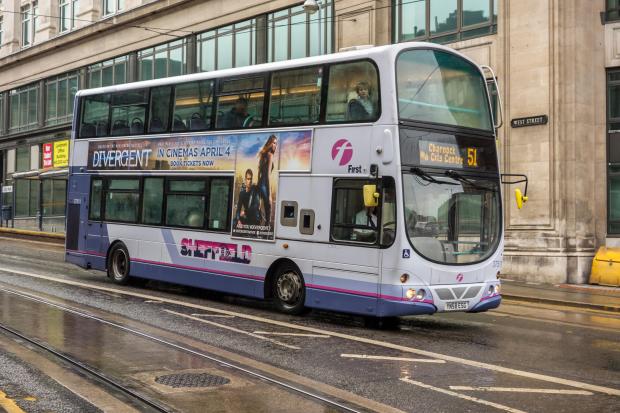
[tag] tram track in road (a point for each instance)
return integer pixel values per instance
(89, 372)
(319, 341)
(321, 399)
(359, 339)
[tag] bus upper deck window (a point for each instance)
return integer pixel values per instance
(192, 106)
(353, 93)
(95, 116)
(295, 96)
(240, 103)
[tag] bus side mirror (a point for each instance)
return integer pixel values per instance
(371, 196)
(512, 179)
(520, 198)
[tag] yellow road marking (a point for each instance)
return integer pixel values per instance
(9, 405)
(430, 354)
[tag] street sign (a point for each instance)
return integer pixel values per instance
(529, 121)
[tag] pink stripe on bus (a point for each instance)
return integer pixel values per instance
(254, 277)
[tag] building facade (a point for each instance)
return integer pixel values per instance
(554, 62)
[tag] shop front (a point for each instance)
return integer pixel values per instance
(34, 189)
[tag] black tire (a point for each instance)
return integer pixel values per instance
(118, 264)
(289, 290)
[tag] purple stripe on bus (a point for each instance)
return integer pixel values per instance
(87, 253)
(315, 286)
(187, 267)
(488, 297)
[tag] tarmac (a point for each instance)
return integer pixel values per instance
(604, 298)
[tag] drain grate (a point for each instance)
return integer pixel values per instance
(192, 380)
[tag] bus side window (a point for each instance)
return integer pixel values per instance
(129, 112)
(95, 116)
(240, 103)
(160, 109)
(353, 93)
(186, 203)
(388, 212)
(295, 96)
(351, 220)
(219, 203)
(192, 106)
(96, 190)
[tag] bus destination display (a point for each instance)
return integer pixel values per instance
(448, 155)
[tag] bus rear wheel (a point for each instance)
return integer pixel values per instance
(289, 290)
(118, 264)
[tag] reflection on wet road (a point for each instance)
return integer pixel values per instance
(522, 357)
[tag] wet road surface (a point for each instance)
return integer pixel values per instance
(522, 357)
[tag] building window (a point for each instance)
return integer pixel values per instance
(24, 108)
(1, 123)
(165, 60)
(67, 10)
(305, 30)
(113, 6)
(612, 10)
(26, 190)
(444, 21)
(29, 23)
(613, 152)
(108, 73)
(54, 193)
(60, 92)
(226, 47)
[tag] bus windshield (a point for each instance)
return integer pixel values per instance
(440, 87)
(452, 218)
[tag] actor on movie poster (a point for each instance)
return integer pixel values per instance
(255, 186)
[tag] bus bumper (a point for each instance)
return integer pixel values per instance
(486, 304)
(390, 308)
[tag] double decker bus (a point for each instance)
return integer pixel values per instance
(364, 182)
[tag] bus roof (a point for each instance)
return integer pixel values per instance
(373, 52)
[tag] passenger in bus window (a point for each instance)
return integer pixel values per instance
(362, 107)
(238, 116)
(248, 205)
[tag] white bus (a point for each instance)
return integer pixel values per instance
(364, 182)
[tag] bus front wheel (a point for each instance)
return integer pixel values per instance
(118, 264)
(289, 290)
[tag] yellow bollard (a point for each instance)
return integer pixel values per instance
(606, 267)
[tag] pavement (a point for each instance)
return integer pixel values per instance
(573, 295)
(604, 298)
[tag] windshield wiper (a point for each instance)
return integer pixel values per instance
(428, 177)
(458, 177)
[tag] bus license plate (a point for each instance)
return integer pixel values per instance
(457, 305)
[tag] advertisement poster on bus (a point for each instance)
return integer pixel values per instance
(260, 156)
(194, 153)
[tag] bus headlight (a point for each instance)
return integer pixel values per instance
(491, 290)
(420, 295)
(410, 293)
(497, 289)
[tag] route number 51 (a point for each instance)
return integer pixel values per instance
(472, 157)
